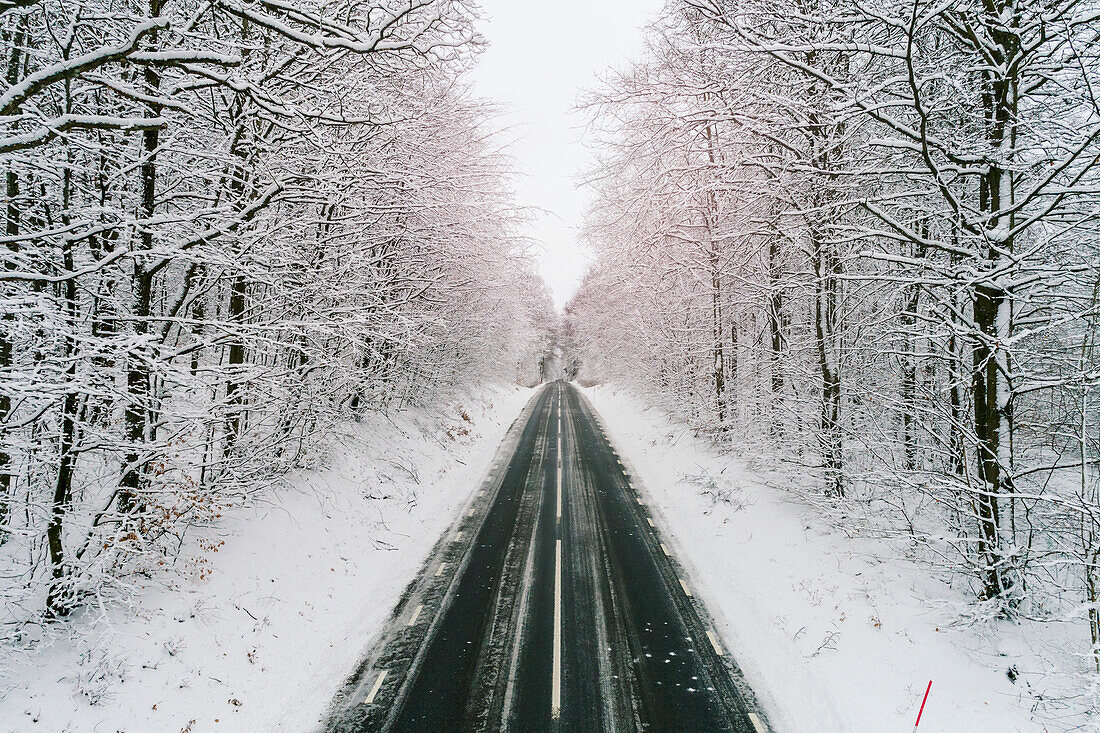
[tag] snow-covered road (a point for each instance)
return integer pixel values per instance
(552, 605)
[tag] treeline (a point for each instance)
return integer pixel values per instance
(864, 236)
(229, 225)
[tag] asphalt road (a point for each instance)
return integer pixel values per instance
(552, 605)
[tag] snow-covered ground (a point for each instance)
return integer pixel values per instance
(835, 633)
(274, 605)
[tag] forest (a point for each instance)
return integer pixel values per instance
(228, 226)
(861, 237)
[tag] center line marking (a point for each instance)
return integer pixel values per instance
(377, 686)
(415, 616)
(439, 572)
(559, 491)
(687, 591)
(555, 694)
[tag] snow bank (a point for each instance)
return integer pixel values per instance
(834, 633)
(275, 605)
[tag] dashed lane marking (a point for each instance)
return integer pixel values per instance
(714, 641)
(377, 686)
(755, 720)
(415, 616)
(687, 591)
(555, 687)
(442, 567)
(558, 492)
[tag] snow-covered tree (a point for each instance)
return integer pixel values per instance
(229, 225)
(900, 257)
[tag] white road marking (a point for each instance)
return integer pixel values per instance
(555, 693)
(559, 491)
(714, 641)
(687, 591)
(755, 720)
(377, 686)
(665, 550)
(415, 616)
(442, 567)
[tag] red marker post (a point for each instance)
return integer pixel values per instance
(925, 700)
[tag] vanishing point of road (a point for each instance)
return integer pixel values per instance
(551, 605)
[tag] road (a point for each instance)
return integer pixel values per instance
(551, 605)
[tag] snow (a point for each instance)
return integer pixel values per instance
(257, 631)
(272, 608)
(834, 633)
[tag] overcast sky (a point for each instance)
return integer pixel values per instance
(540, 58)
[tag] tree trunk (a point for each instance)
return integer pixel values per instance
(234, 396)
(987, 429)
(138, 360)
(710, 221)
(824, 319)
(7, 361)
(198, 313)
(993, 309)
(1092, 596)
(908, 386)
(719, 360)
(826, 282)
(775, 329)
(908, 391)
(733, 365)
(236, 413)
(59, 597)
(7, 350)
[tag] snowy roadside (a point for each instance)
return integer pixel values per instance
(834, 633)
(276, 603)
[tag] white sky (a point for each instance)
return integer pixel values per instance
(541, 56)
